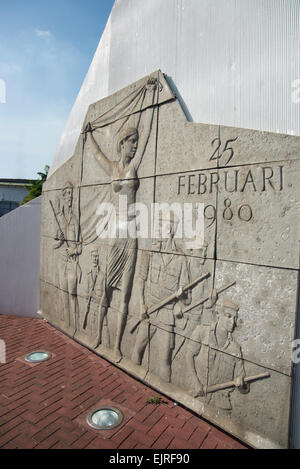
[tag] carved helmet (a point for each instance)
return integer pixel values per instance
(227, 304)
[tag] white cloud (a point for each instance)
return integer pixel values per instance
(41, 33)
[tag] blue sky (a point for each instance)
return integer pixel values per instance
(46, 48)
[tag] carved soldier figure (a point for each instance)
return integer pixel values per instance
(162, 273)
(197, 261)
(70, 247)
(95, 292)
(219, 357)
(187, 323)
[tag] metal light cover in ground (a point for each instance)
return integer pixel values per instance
(105, 418)
(38, 356)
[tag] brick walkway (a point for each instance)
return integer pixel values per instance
(45, 405)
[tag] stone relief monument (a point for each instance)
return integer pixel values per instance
(208, 323)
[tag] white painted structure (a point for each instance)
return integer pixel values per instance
(20, 260)
(233, 62)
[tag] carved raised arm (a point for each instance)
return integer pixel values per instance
(105, 163)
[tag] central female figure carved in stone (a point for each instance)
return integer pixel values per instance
(124, 181)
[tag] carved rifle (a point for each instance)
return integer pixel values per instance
(231, 384)
(56, 219)
(89, 301)
(202, 300)
(170, 298)
(189, 308)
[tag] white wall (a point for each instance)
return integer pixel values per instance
(234, 62)
(20, 260)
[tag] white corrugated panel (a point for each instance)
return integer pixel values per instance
(234, 62)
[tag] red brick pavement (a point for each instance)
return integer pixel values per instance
(45, 406)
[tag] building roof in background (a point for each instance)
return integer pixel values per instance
(14, 182)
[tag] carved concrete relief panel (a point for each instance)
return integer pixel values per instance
(171, 248)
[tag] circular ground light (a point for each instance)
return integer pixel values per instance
(105, 418)
(37, 357)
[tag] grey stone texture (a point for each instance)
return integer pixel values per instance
(210, 325)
